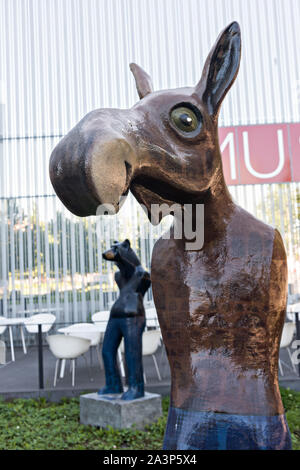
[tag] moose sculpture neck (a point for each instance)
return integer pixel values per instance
(218, 208)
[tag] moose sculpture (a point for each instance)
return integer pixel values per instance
(221, 308)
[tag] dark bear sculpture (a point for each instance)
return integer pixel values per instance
(127, 320)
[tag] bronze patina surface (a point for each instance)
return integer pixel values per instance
(221, 308)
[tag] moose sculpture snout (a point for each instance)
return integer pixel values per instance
(91, 165)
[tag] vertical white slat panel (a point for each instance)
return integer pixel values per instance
(30, 244)
(20, 267)
(96, 275)
(38, 253)
(296, 187)
(291, 220)
(4, 254)
(285, 95)
(263, 204)
(292, 15)
(73, 251)
(142, 237)
(286, 56)
(277, 65)
(56, 256)
(82, 243)
(91, 266)
(75, 43)
(46, 254)
(59, 83)
(281, 212)
(69, 264)
(272, 186)
(133, 209)
(11, 216)
(70, 86)
(10, 67)
(108, 271)
(99, 238)
(61, 58)
(65, 298)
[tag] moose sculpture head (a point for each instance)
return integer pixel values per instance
(221, 307)
(163, 149)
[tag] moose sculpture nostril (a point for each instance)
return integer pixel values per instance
(59, 169)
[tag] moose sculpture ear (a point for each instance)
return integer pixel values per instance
(221, 68)
(142, 79)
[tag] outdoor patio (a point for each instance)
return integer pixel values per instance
(21, 378)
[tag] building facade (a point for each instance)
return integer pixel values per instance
(59, 59)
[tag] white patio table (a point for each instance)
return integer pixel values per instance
(19, 321)
(292, 309)
(86, 334)
(10, 322)
(293, 313)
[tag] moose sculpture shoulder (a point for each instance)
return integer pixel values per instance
(221, 308)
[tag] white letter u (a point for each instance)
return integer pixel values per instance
(281, 157)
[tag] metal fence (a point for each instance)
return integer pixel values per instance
(60, 59)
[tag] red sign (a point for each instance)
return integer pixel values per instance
(227, 139)
(268, 153)
(295, 150)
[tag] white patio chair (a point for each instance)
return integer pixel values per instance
(67, 347)
(151, 318)
(2, 353)
(291, 310)
(151, 342)
(44, 319)
(89, 331)
(2, 348)
(152, 322)
(288, 331)
(100, 319)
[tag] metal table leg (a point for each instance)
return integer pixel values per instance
(11, 344)
(40, 351)
(23, 339)
(62, 368)
(298, 334)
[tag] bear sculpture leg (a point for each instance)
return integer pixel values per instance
(132, 330)
(111, 342)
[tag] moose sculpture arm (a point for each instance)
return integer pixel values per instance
(221, 307)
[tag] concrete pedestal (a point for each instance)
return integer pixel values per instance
(110, 410)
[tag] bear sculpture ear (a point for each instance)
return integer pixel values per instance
(127, 242)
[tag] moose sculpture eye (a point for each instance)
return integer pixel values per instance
(185, 119)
